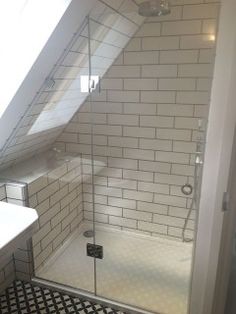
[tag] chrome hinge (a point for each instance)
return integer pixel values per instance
(225, 202)
(94, 250)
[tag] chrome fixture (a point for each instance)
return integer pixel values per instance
(88, 234)
(154, 8)
(187, 189)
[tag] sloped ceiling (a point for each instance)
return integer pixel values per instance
(51, 93)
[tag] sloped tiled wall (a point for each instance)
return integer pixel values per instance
(146, 121)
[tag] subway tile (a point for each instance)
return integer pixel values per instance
(160, 43)
(200, 98)
(141, 57)
(174, 134)
(123, 96)
(186, 123)
(178, 56)
(85, 117)
(201, 111)
(61, 238)
(206, 55)
(182, 170)
(140, 84)
(121, 71)
(47, 191)
(137, 215)
(108, 171)
(138, 154)
(204, 84)
(155, 144)
(56, 197)
(120, 119)
(159, 70)
(201, 11)
(123, 222)
(122, 183)
(156, 121)
(138, 175)
(169, 221)
(107, 129)
(49, 214)
(121, 202)
(107, 191)
(184, 147)
(122, 163)
(176, 190)
(139, 132)
(139, 108)
(178, 158)
(104, 107)
(78, 148)
(154, 166)
(177, 84)
(129, 142)
(153, 187)
(15, 191)
(108, 210)
(195, 70)
(151, 227)
(40, 234)
(107, 151)
(149, 29)
(57, 219)
(170, 200)
(209, 26)
(152, 207)
(43, 207)
(180, 212)
(175, 110)
(181, 27)
(137, 195)
(111, 83)
(50, 236)
(196, 42)
(158, 97)
(68, 198)
(37, 185)
(170, 179)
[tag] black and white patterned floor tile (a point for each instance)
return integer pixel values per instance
(25, 298)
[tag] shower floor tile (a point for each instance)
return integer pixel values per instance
(146, 272)
(25, 298)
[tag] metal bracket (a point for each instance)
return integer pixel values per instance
(94, 250)
(225, 202)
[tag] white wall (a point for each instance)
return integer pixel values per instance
(220, 133)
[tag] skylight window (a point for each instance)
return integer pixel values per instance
(25, 26)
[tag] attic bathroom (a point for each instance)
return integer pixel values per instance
(117, 136)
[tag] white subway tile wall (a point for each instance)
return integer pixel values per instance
(145, 122)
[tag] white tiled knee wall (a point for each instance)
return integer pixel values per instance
(57, 197)
(146, 118)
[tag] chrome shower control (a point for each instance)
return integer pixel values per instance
(187, 189)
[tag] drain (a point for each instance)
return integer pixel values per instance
(88, 233)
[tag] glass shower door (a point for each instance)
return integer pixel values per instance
(143, 263)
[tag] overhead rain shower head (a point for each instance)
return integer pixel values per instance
(154, 8)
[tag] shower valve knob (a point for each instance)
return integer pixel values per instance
(187, 189)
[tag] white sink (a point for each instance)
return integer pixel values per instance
(17, 224)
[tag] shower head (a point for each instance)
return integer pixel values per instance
(154, 8)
